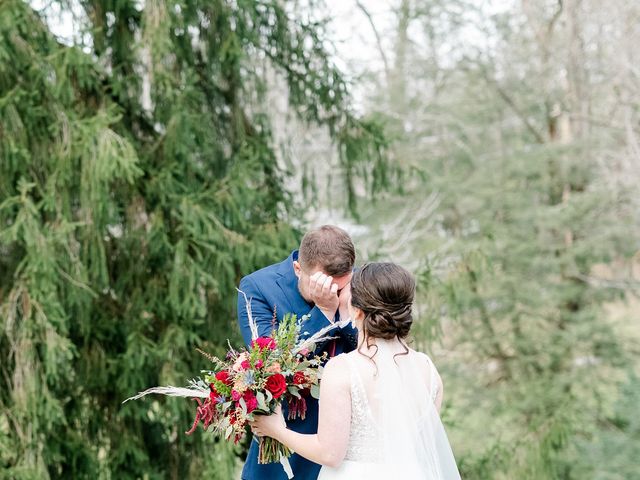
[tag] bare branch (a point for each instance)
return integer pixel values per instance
(366, 13)
(509, 101)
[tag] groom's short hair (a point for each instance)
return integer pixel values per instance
(328, 248)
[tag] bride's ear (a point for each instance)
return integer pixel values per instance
(357, 318)
(358, 315)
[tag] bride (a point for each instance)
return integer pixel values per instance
(379, 405)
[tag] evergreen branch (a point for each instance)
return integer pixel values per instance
(77, 283)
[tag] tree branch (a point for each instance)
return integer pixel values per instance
(366, 13)
(509, 101)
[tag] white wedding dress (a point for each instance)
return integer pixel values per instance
(396, 431)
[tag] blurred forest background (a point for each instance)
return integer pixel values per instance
(153, 152)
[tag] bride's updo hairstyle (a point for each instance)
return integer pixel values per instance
(384, 292)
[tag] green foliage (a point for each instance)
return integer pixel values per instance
(521, 306)
(138, 183)
(510, 229)
(610, 452)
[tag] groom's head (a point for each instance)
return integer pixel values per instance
(327, 249)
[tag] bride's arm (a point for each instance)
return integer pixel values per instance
(329, 445)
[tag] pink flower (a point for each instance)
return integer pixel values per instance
(259, 364)
(304, 352)
(275, 368)
(237, 366)
(235, 395)
(245, 365)
(264, 342)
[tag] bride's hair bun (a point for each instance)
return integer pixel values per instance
(384, 292)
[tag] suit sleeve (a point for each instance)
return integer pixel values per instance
(261, 311)
(262, 314)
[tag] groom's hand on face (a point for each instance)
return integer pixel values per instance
(344, 296)
(324, 293)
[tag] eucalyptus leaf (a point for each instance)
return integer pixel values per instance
(294, 391)
(262, 404)
(315, 391)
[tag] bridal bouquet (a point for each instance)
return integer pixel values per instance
(255, 380)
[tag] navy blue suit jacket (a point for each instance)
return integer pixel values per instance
(277, 285)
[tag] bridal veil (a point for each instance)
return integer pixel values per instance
(412, 440)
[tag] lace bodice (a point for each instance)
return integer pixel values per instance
(364, 444)
(364, 438)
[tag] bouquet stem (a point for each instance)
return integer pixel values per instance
(270, 450)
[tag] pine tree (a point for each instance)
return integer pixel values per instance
(138, 182)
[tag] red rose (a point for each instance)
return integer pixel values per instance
(276, 384)
(299, 378)
(264, 342)
(213, 394)
(223, 377)
(250, 401)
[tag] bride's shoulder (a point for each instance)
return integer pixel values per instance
(336, 371)
(420, 354)
(339, 363)
(430, 370)
(425, 359)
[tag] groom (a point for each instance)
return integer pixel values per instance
(313, 281)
